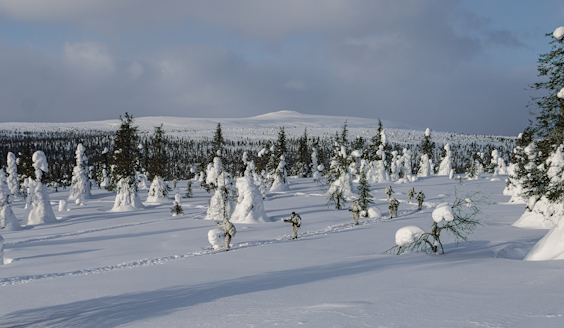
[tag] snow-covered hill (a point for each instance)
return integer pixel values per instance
(264, 126)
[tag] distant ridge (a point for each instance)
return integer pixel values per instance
(286, 118)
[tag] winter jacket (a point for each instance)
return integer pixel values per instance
(394, 204)
(355, 208)
(420, 197)
(295, 220)
(228, 227)
(389, 191)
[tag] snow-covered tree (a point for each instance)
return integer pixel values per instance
(459, 220)
(80, 184)
(250, 206)
(127, 197)
(303, 159)
(280, 177)
(340, 189)
(7, 218)
(316, 174)
(158, 191)
(189, 190)
(427, 148)
(41, 210)
(364, 197)
(12, 170)
(446, 163)
(176, 208)
(221, 203)
(124, 171)
(213, 171)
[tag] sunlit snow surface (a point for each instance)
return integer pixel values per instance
(96, 268)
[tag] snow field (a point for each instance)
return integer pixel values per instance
(145, 268)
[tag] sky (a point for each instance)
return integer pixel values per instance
(460, 66)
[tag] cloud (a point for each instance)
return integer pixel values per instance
(404, 61)
(295, 85)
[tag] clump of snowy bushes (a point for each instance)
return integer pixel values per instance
(459, 220)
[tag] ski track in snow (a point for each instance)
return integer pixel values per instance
(161, 260)
(82, 232)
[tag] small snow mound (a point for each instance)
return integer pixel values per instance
(402, 181)
(559, 33)
(407, 235)
(216, 237)
(443, 212)
(442, 195)
(374, 212)
(560, 94)
(495, 179)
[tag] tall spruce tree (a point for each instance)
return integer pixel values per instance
(126, 152)
(303, 161)
(158, 156)
(548, 126)
(364, 197)
(217, 143)
(371, 152)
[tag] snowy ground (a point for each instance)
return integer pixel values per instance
(96, 268)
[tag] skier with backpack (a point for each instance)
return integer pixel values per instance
(230, 231)
(389, 191)
(296, 221)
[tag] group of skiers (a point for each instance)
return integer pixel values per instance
(394, 203)
(295, 220)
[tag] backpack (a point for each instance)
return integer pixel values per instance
(298, 221)
(232, 231)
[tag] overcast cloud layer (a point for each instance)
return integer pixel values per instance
(447, 65)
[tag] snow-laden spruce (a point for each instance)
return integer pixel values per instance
(446, 163)
(41, 210)
(80, 184)
(541, 213)
(221, 202)
(213, 171)
(8, 220)
(316, 173)
(250, 207)
(12, 170)
(498, 163)
(127, 197)
(280, 177)
(158, 192)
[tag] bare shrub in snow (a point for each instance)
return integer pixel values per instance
(459, 220)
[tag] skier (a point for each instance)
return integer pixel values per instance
(410, 194)
(420, 198)
(394, 204)
(229, 231)
(389, 191)
(356, 212)
(296, 221)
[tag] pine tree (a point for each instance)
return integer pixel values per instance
(303, 165)
(364, 197)
(217, 143)
(158, 156)
(548, 127)
(371, 153)
(127, 153)
(189, 190)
